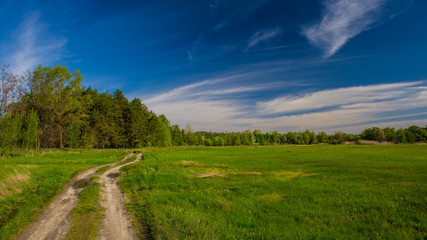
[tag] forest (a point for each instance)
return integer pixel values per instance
(50, 108)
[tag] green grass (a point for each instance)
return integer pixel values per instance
(133, 158)
(102, 170)
(87, 214)
(280, 192)
(28, 184)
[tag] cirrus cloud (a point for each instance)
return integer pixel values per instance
(213, 105)
(33, 44)
(262, 36)
(341, 21)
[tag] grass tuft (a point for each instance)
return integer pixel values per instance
(246, 174)
(211, 175)
(189, 164)
(102, 170)
(287, 175)
(14, 182)
(81, 183)
(114, 175)
(87, 215)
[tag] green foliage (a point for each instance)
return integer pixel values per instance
(208, 142)
(177, 137)
(390, 134)
(218, 141)
(401, 136)
(30, 130)
(74, 135)
(10, 129)
(379, 135)
(53, 95)
(138, 120)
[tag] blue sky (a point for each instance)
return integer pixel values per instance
(231, 65)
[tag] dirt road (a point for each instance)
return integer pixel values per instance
(116, 224)
(56, 220)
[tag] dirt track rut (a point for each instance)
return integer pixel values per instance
(55, 221)
(116, 224)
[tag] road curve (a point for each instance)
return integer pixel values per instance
(56, 220)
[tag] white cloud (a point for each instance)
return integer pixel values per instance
(189, 90)
(203, 104)
(202, 114)
(336, 97)
(262, 36)
(210, 105)
(341, 21)
(34, 45)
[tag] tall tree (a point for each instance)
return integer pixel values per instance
(12, 88)
(121, 119)
(138, 121)
(54, 95)
(30, 133)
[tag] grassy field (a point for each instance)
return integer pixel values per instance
(280, 192)
(27, 184)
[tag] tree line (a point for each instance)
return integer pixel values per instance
(50, 108)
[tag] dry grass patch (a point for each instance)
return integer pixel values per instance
(14, 182)
(211, 175)
(218, 166)
(216, 174)
(247, 174)
(273, 197)
(189, 164)
(196, 164)
(287, 175)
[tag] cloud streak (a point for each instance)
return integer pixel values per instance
(262, 36)
(337, 97)
(341, 21)
(207, 105)
(190, 90)
(33, 44)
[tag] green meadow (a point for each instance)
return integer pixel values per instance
(280, 192)
(28, 184)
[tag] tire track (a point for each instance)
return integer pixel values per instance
(117, 224)
(56, 220)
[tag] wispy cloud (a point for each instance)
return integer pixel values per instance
(262, 36)
(208, 106)
(200, 88)
(33, 44)
(341, 21)
(337, 97)
(211, 104)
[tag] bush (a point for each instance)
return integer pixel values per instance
(218, 141)
(208, 142)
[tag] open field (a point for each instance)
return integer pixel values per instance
(28, 184)
(280, 192)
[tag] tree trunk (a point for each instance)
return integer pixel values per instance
(60, 140)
